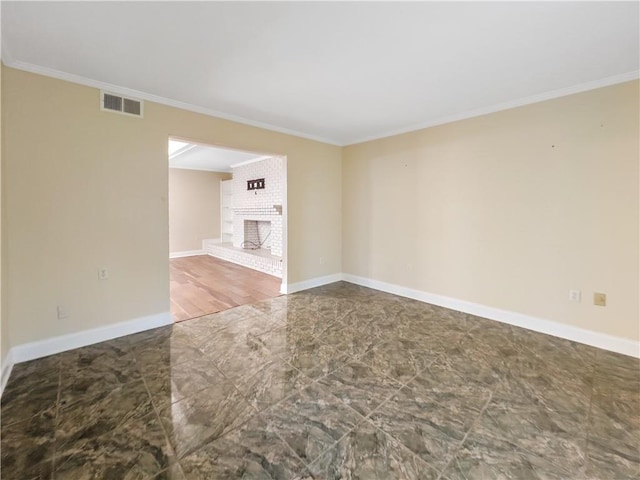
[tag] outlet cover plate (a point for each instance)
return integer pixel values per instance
(600, 299)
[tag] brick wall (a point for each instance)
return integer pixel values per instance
(259, 205)
(257, 232)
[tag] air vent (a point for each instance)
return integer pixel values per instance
(119, 104)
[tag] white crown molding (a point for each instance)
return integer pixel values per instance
(199, 169)
(70, 77)
(179, 138)
(50, 346)
(562, 92)
(541, 97)
(621, 345)
(182, 150)
(250, 161)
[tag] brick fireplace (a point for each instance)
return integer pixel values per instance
(257, 214)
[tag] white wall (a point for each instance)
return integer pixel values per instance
(259, 204)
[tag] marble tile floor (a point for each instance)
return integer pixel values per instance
(337, 382)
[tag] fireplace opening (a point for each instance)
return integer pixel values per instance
(257, 234)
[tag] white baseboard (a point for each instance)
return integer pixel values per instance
(43, 348)
(50, 346)
(187, 253)
(7, 366)
(312, 283)
(588, 337)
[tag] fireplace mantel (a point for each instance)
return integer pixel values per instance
(265, 210)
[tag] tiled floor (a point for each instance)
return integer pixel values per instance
(339, 382)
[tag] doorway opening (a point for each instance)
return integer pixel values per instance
(227, 227)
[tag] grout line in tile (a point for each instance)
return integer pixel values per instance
(100, 436)
(402, 445)
(400, 384)
(363, 417)
(454, 454)
(56, 420)
(589, 411)
(266, 332)
(370, 414)
(251, 417)
(292, 393)
(257, 414)
(305, 464)
(526, 348)
(158, 419)
(308, 464)
(367, 419)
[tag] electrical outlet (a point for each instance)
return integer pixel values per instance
(62, 312)
(575, 295)
(600, 299)
(103, 273)
(321, 260)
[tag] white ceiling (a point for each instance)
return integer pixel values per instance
(202, 157)
(341, 72)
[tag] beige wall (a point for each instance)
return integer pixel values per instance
(86, 188)
(509, 210)
(194, 208)
(4, 324)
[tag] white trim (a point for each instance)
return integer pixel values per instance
(50, 346)
(43, 348)
(199, 169)
(197, 142)
(182, 150)
(595, 339)
(250, 161)
(7, 366)
(285, 223)
(540, 97)
(311, 283)
(70, 77)
(187, 253)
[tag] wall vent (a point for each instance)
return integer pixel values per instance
(113, 102)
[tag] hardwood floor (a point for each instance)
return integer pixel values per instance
(203, 284)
